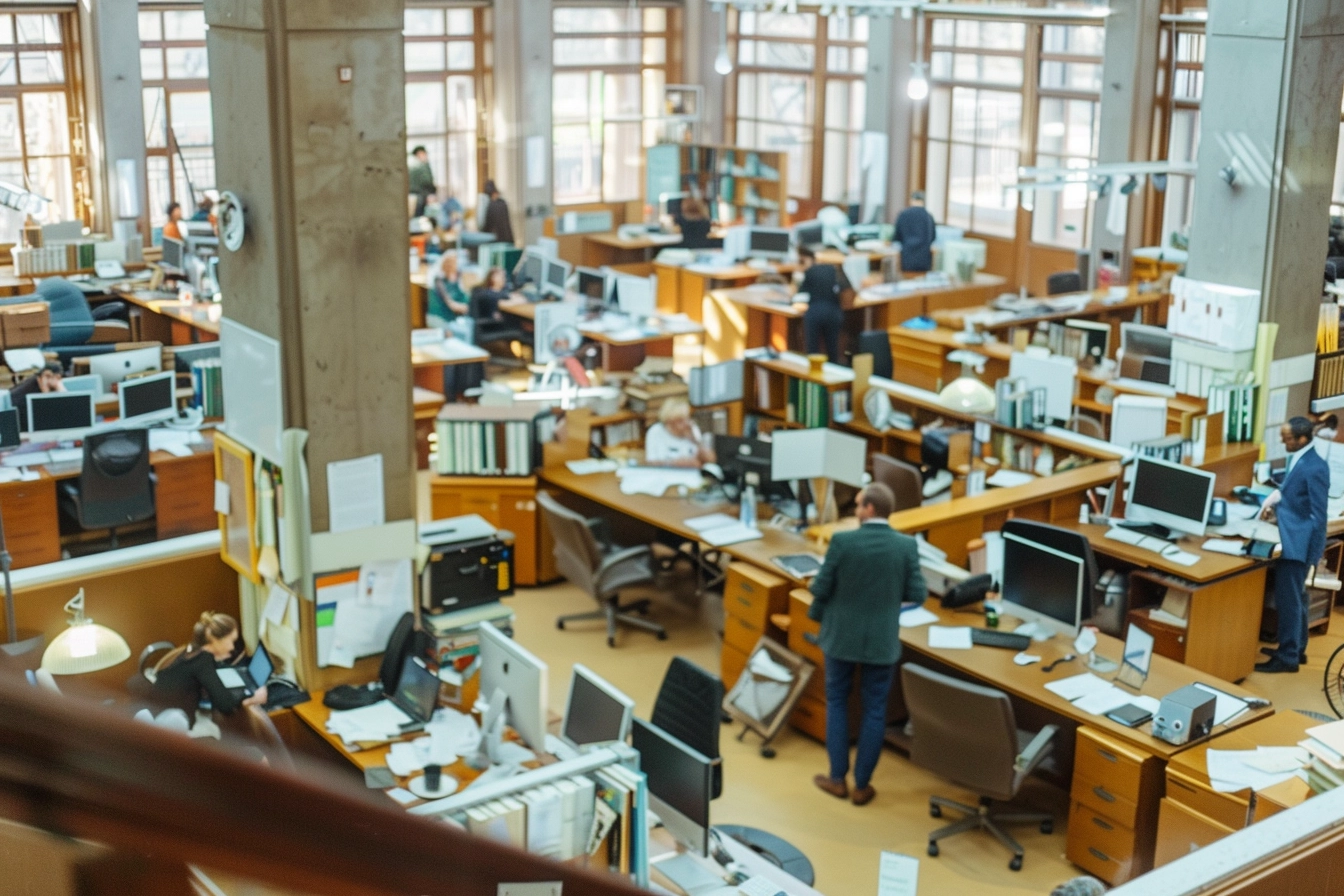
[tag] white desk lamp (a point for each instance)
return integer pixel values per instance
(85, 646)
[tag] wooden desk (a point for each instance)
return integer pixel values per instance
(427, 362)
(169, 321)
(1147, 306)
(682, 289)
(621, 350)
(609, 249)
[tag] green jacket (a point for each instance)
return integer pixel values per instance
(421, 179)
(858, 592)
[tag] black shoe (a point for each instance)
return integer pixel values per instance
(1274, 664)
(1269, 651)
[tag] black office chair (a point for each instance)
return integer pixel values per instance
(492, 327)
(687, 708)
(878, 344)
(1063, 282)
(115, 486)
(73, 322)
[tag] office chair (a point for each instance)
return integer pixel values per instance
(1109, 618)
(602, 574)
(73, 322)
(687, 707)
(1086, 426)
(878, 344)
(966, 733)
(904, 480)
(115, 486)
(491, 329)
(1063, 282)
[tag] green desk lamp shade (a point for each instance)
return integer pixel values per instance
(85, 646)
(966, 393)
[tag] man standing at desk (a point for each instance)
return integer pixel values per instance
(857, 598)
(916, 231)
(1300, 509)
(421, 178)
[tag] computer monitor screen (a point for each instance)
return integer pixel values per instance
(509, 668)
(53, 412)
(596, 712)
(808, 233)
(557, 272)
(680, 784)
(716, 384)
(1170, 495)
(417, 691)
(592, 284)
(738, 456)
(509, 257)
(1140, 343)
(1042, 585)
(148, 399)
(114, 367)
(635, 296)
(671, 204)
(768, 242)
(9, 429)
(530, 269)
(174, 254)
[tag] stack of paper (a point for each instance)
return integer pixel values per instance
(379, 721)
(1325, 746)
(950, 637)
(656, 480)
(1233, 770)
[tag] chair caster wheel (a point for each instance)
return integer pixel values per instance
(725, 718)
(560, 624)
(935, 811)
(611, 642)
(1047, 827)
(933, 848)
(662, 636)
(768, 752)
(1015, 864)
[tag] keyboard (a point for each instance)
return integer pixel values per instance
(992, 637)
(1127, 536)
(1163, 548)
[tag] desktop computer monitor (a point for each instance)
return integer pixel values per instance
(1141, 344)
(1042, 585)
(114, 367)
(592, 284)
(9, 429)
(716, 384)
(596, 712)
(670, 204)
(174, 255)
(635, 296)
(531, 268)
(809, 233)
(680, 784)
(149, 399)
(89, 382)
(556, 275)
(769, 242)
(510, 672)
(1172, 496)
(58, 414)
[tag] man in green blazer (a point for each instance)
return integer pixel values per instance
(857, 598)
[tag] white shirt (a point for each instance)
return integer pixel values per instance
(1294, 457)
(661, 446)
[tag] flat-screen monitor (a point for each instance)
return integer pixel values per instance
(1042, 585)
(9, 429)
(556, 274)
(508, 668)
(737, 243)
(671, 204)
(680, 784)
(1142, 341)
(769, 242)
(809, 233)
(55, 413)
(531, 268)
(716, 383)
(592, 284)
(174, 254)
(148, 399)
(114, 367)
(1170, 495)
(738, 456)
(596, 712)
(89, 382)
(635, 296)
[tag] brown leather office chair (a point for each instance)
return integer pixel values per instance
(966, 733)
(602, 574)
(904, 480)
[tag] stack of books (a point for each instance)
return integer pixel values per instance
(207, 383)
(808, 403)
(1325, 743)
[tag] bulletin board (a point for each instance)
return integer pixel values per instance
(237, 527)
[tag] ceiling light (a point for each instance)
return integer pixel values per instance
(918, 88)
(722, 63)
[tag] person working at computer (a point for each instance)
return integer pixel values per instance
(174, 212)
(448, 308)
(48, 379)
(1299, 507)
(856, 597)
(205, 211)
(916, 231)
(497, 215)
(823, 284)
(693, 222)
(188, 673)
(675, 441)
(489, 293)
(421, 179)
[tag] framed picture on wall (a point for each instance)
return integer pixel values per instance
(236, 504)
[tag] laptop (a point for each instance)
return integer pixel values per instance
(250, 678)
(416, 694)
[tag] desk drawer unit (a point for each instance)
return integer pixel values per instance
(752, 594)
(32, 529)
(1228, 809)
(1183, 831)
(1113, 814)
(917, 361)
(184, 496)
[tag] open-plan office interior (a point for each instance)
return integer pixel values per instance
(472, 447)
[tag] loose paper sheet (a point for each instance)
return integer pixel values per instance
(950, 637)
(898, 875)
(355, 493)
(221, 497)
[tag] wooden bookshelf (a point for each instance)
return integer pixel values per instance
(738, 185)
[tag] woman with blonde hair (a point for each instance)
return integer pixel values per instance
(188, 672)
(675, 441)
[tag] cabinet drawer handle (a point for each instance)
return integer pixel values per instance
(1104, 793)
(1108, 756)
(1098, 853)
(1101, 824)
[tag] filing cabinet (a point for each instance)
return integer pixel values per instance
(1113, 807)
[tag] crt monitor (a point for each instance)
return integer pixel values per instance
(57, 412)
(680, 784)
(769, 242)
(592, 284)
(174, 254)
(511, 671)
(716, 383)
(114, 367)
(531, 268)
(1172, 496)
(556, 274)
(9, 429)
(1042, 586)
(148, 399)
(596, 712)
(809, 233)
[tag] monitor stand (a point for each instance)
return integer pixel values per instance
(494, 750)
(1157, 530)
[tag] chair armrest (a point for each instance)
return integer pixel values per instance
(1040, 747)
(623, 567)
(624, 555)
(601, 529)
(110, 330)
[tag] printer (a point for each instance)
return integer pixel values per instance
(469, 564)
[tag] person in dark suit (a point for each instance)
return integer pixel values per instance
(823, 284)
(916, 231)
(694, 224)
(497, 215)
(1299, 506)
(857, 598)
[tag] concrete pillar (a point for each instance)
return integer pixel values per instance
(889, 109)
(1128, 76)
(522, 115)
(115, 114)
(702, 32)
(1273, 77)
(310, 132)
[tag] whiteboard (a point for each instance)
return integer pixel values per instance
(813, 453)
(254, 408)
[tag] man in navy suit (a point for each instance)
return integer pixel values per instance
(1299, 507)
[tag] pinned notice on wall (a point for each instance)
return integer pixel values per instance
(355, 493)
(358, 608)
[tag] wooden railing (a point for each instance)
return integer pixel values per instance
(80, 770)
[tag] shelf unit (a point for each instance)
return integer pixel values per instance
(707, 170)
(788, 395)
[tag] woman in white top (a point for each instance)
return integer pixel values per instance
(674, 441)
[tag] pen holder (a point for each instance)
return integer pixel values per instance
(814, 364)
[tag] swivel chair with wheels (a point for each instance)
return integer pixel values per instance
(905, 480)
(73, 322)
(602, 574)
(115, 486)
(687, 707)
(966, 733)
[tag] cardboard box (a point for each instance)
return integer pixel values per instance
(25, 325)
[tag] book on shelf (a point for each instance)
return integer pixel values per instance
(207, 386)
(476, 440)
(1168, 448)
(1236, 401)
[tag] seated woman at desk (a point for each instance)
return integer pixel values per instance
(694, 224)
(675, 441)
(448, 309)
(823, 318)
(48, 379)
(487, 296)
(188, 673)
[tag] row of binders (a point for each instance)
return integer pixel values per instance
(485, 447)
(1236, 401)
(809, 403)
(207, 384)
(55, 258)
(584, 816)
(1329, 380)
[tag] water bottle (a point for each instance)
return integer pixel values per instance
(747, 507)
